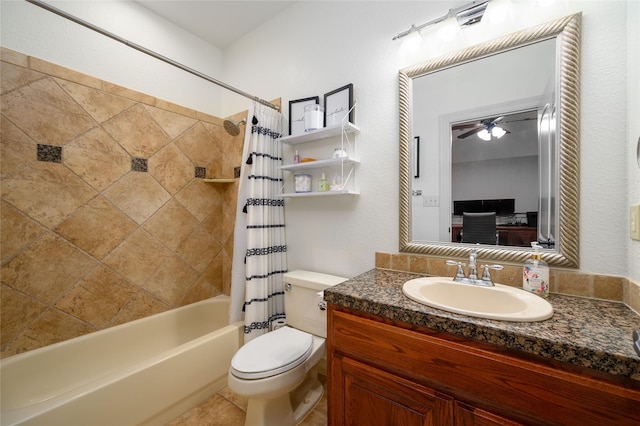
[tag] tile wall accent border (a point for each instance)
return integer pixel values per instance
(138, 164)
(49, 153)
(200, 172)
(607, 287)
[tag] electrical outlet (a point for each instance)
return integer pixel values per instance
(431, 201)
(634, 222)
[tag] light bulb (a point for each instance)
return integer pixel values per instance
(498, 132)
(484, 135)
(448, 29)
(546, 3)
(412, 42)
(497, 11)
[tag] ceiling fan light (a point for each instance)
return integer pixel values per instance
(484, 135)
(498, 132)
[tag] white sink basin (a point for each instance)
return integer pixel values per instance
(499, 303)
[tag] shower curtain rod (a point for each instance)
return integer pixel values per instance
(148, 52)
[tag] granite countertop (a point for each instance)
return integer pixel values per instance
(587, 332)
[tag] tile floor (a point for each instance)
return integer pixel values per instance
(228, 409)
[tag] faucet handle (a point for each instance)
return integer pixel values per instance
(459, 271)
(486, 275)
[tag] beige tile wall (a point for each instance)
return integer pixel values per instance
(563, 281)
(87, 242)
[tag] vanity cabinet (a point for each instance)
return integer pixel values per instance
(342, 168)
(384, 372)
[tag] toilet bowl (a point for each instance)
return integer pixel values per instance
(278, 371)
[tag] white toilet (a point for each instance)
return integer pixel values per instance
(278, 371)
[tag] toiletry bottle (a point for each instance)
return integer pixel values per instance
(296, 158)
(535, 274)
(323, 184)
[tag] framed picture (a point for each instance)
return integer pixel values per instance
(296, 114)
(337, 104)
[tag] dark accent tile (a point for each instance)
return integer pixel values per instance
(201, 172)
(50, 153)
(236, 172)
(138, 164)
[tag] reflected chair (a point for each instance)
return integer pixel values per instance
(479, 228)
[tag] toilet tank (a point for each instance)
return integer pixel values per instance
(301, 299)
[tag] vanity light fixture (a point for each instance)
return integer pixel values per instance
(413, 41)
(465, 15)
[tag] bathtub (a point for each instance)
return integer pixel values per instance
(145, 372)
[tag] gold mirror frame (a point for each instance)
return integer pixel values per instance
(566, 254)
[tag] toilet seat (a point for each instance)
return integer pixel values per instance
(272, 353)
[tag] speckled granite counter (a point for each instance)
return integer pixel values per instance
(587, 332)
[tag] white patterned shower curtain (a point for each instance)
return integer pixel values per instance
(260, 250)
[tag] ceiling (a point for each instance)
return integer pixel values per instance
(217, 22)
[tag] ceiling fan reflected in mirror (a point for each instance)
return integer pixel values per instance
(490, 128)
(485, 129)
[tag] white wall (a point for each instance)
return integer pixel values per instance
(31, 30)
(314, 47)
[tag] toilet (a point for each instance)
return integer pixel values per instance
(278, 371)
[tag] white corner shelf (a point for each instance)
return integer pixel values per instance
(347, 165)
(319, 194)
(324, 133)
(318, 164)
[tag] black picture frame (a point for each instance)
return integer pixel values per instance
(296, 114)
(336, 104)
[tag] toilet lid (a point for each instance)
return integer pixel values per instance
(272, 353)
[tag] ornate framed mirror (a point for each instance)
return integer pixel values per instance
(557, 183)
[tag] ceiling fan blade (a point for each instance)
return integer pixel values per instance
(465, 126)
(471, 132)
(522, 119)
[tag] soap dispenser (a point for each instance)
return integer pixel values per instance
(535, 273)
(323, 184)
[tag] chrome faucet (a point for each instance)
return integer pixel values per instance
(472, 277)
(473, 270)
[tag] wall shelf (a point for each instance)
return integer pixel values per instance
(219, 180)
(331, 162)
(344, 167)
(319, 194)
(324, 133)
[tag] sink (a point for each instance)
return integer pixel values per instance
(500, 302)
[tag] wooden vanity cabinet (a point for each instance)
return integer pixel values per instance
(390, 373)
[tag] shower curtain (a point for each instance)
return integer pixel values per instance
(259, 255)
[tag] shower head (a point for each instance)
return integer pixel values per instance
(233, 127)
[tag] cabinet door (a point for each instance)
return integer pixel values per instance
(467, 415)
(376, 398)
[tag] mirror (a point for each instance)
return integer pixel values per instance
(555, 175)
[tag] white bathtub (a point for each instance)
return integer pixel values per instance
(143, 372)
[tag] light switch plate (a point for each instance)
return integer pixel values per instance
(431, 201)
(634, 222)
